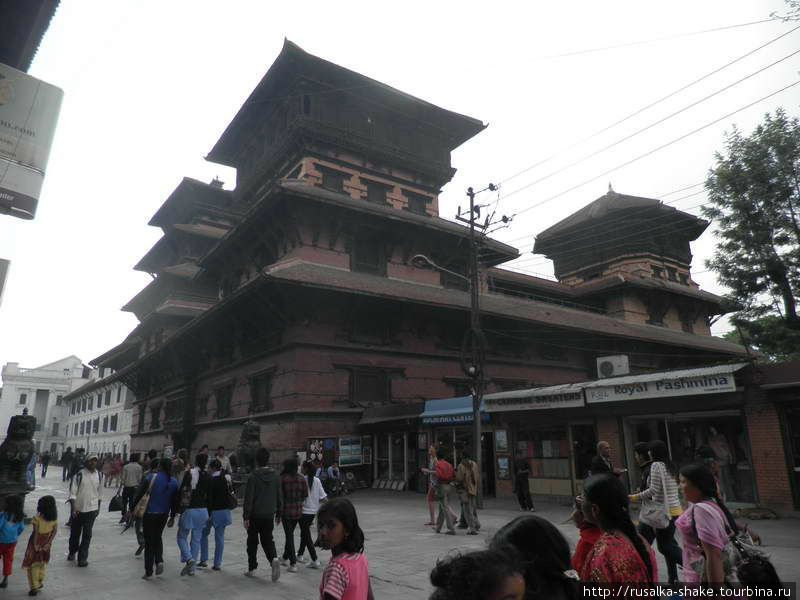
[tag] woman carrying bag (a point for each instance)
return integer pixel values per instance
(660, 508)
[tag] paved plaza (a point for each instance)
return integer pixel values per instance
(401, 552)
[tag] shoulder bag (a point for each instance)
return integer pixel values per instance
(141, 506)
(656, 515)
(232, 500)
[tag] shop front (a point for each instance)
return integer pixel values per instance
(694, 411)
(552, 436)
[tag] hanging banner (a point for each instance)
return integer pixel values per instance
(29, 111)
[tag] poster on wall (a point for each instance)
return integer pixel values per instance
(322, 449)
(501, 440)
(503, 467)
(350, 452)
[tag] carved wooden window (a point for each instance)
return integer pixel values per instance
(223, 396)
(376, 192)
(369, 387)
(658, 272)
(684, 278)
(155, 417)
(417, 203)
(672, 274)
(260, 392)
(202, 406)
(368, 255)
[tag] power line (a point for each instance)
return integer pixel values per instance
(653, 40)
(650, 152)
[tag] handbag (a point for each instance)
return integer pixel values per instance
(116, 504)
(738, 550)
(656, 515)
(233, 501)
(141, 506)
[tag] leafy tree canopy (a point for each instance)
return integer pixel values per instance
(768, 336)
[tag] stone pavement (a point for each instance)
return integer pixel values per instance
(401, 552)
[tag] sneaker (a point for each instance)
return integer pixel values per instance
(202, 565)
(250, 573)
(33, 592)
(276, 569)
(302, 559)
(284, 562)
(314, 564)
(159, 568)
(217, 567)
(292, 568)
(187, 567)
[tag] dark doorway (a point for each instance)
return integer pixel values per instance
(487, 464)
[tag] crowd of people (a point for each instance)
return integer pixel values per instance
(527, 558)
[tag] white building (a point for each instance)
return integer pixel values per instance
(42, 391)
(98, 415)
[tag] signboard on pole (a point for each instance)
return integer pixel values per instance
(29, 111)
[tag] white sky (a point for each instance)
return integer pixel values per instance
(150, 86)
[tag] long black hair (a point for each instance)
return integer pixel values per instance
(472, 576)
(343, 511)
(608, 494)
(660, 453)
(15, 508)
(289, 467)
(703, 479)
(544, 553)
(308, 469)
(47, 508)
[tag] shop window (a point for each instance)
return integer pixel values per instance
(223, 396)
(368, 255)
(260, 392)
(546, 451)
(369, 387)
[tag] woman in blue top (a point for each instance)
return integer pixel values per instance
(12, 523)
(160, 508)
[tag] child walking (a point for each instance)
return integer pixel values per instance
(37, 555)
(346, 577)
(12, 523)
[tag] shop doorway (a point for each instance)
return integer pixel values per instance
(487, 464)
(454, 439)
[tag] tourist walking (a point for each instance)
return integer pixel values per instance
(45, 463)
(138, 521)
(661, 507)
(705, 526)
(445, 475)
(12, 524)
(432, 483)
(37, 554)
(220, 492)
(129, 482)
(263, 500)
(620, 554)
(316, 495)
(160, 511)
(521, 482)
(481, 575)
(194, 512)
(544, 552)
(84, 498)
(468, 480)
(346, 576)
(295, 490)
(66, 463)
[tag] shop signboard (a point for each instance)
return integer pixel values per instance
(350, 454)
(454, 419)
(689, 382)
(559, 396)
(28, 114)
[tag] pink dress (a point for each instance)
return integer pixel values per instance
(711, 529)
(614, 559)
(346, 577)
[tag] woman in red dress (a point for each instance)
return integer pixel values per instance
(620, 554)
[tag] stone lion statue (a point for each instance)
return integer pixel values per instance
(15, 454)
(249, 442)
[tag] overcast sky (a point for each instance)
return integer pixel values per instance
(150, 86)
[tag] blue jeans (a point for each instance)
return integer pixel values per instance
(192, 520)
(219, 520)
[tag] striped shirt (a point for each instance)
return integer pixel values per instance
(659, 476)
(346, 577)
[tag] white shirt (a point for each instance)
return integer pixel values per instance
(225, 461)
(315, 496)
(86, 494)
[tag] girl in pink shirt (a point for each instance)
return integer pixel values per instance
(346, 576)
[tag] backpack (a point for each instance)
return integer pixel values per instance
(444, 471)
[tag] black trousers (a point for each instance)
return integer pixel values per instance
(153, 525)
(524, 498)
(306, 541)
(80, 534)
(667, 546)
(128, 494)
(44, 469)
(288, 546)
(260, 529)
(65, 472)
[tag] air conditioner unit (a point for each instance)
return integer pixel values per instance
(612, 366)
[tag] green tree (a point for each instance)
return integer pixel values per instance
(754, 196)
(768, 336)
